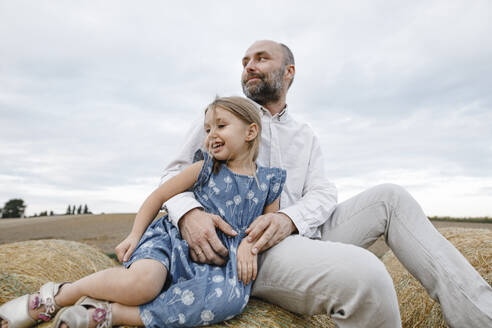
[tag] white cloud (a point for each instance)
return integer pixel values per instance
(438, 194)
(96, 96)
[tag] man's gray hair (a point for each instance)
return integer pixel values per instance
(288, 59)
(288, 55)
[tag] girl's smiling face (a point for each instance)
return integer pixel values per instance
(227, 135)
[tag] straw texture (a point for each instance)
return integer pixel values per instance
(417, 309)
(260, 314)
(25, 266)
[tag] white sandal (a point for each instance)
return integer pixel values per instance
(16, 311)
(77, 316)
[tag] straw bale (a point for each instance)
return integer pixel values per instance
(416, 307)
(260, 314)
(13, 285)
(25, 266)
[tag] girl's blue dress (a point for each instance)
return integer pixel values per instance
(201, 294)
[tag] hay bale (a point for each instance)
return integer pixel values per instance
(25, 266)
(260, 314)
(13, 285)
(416, 307)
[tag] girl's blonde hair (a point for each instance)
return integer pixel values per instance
(246, 111)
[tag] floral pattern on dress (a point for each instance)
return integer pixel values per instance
(201, 294)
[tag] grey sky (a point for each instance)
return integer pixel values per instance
(96, 97)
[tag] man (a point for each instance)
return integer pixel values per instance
(319, 264)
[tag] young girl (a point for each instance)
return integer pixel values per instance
(160, 286)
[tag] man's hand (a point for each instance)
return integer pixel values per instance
(198, 229)
(268, 230)
(247, 263)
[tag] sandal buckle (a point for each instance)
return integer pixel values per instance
(99, 315)
(35, 302)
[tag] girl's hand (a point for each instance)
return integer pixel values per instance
(126, 247)
(247, 262)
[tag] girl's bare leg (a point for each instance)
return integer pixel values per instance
(136, 285)
(126, 315)
(122, 315)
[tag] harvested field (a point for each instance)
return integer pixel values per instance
(102, 231)
(107, 230)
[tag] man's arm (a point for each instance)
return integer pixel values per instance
(319, 198)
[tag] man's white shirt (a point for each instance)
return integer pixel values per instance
(308, 198)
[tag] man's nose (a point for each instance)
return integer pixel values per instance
(250, 66)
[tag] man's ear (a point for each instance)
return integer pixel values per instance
(252, 132)
(290, 71)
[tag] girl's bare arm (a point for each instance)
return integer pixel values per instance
(247, 262)
(273, 207)
(175, 185)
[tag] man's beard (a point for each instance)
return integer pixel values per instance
(268, 89)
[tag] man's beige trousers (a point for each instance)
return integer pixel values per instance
(336, 275)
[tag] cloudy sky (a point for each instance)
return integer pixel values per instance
(96, 96)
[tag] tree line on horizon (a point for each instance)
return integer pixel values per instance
(15, 208)
(79, 210)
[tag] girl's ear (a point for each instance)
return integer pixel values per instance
(252, 132)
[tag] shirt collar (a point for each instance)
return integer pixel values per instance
(282, 116)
